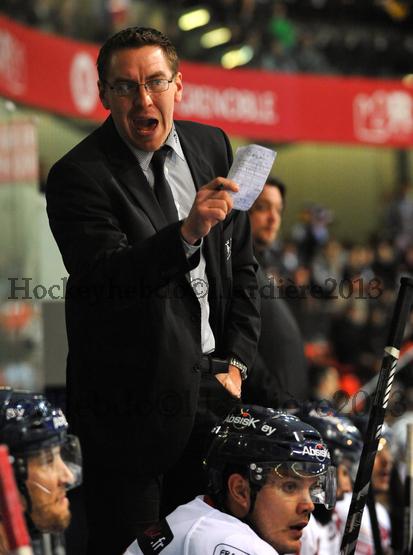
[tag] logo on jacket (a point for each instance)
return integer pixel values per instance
(155, 538)
(228, 246)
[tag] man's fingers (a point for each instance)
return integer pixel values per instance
(222, 184)
(215, 199)
(216, 204)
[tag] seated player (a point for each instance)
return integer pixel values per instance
(380, 484)
(323, 534)
(266, 470)
(46, 462)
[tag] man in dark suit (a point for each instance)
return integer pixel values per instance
(160, 298)
(279, 376)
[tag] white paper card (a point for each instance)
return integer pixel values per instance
(250, 169)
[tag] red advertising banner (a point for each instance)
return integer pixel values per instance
(59, 75)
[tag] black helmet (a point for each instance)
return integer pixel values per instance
(265, 440)
(342, 437)
(29, 424)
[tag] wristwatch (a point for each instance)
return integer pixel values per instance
(243, 369)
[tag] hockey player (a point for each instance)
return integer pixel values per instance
(380, 483)
(46, 462)
(322, 535)
(266, 471)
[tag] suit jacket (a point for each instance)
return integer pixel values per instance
(280, 373)
(133, 321)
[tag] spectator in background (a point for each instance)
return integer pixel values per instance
(399, 217)
(327, 266)
(385, 265)
(324, 382)
(277, 58)
(311, 231)
(309, 57)
(280, 369)
(281, 28)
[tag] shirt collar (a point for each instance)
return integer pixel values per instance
(144, 158)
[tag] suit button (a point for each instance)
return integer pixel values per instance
(196, 369)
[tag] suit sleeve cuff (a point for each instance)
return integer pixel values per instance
(190, 250)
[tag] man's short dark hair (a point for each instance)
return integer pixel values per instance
(275, 182)
(136, 37)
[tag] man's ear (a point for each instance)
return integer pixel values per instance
(102, 95)
(238, 495)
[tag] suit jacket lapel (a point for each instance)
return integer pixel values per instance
(129, 173)
(200, 169)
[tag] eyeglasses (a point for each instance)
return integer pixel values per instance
(130, 88)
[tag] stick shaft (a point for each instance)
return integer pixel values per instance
(11, 508)
(376, 417)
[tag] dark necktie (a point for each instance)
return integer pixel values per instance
(161, 186)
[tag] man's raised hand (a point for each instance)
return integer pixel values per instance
(212, 204)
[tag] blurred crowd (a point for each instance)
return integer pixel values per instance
(342, 293)
(318, 36)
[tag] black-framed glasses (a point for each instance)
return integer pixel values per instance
(130, 88)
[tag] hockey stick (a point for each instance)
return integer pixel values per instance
(369, 387)
(376, 417)
(11, 508)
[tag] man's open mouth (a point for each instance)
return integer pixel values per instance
(145, 124)
(299, 526)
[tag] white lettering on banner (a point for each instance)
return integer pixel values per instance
(83, 77)
(235, 105)
(13, 63)
(383, 115)
(18, 152)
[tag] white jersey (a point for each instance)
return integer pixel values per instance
(198, 529)
(320, 539)
(365, 543)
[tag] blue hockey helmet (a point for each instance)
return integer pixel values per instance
(342, 437)
(30, 425)
(269, 442)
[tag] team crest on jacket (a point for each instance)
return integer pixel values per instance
(228, 247)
